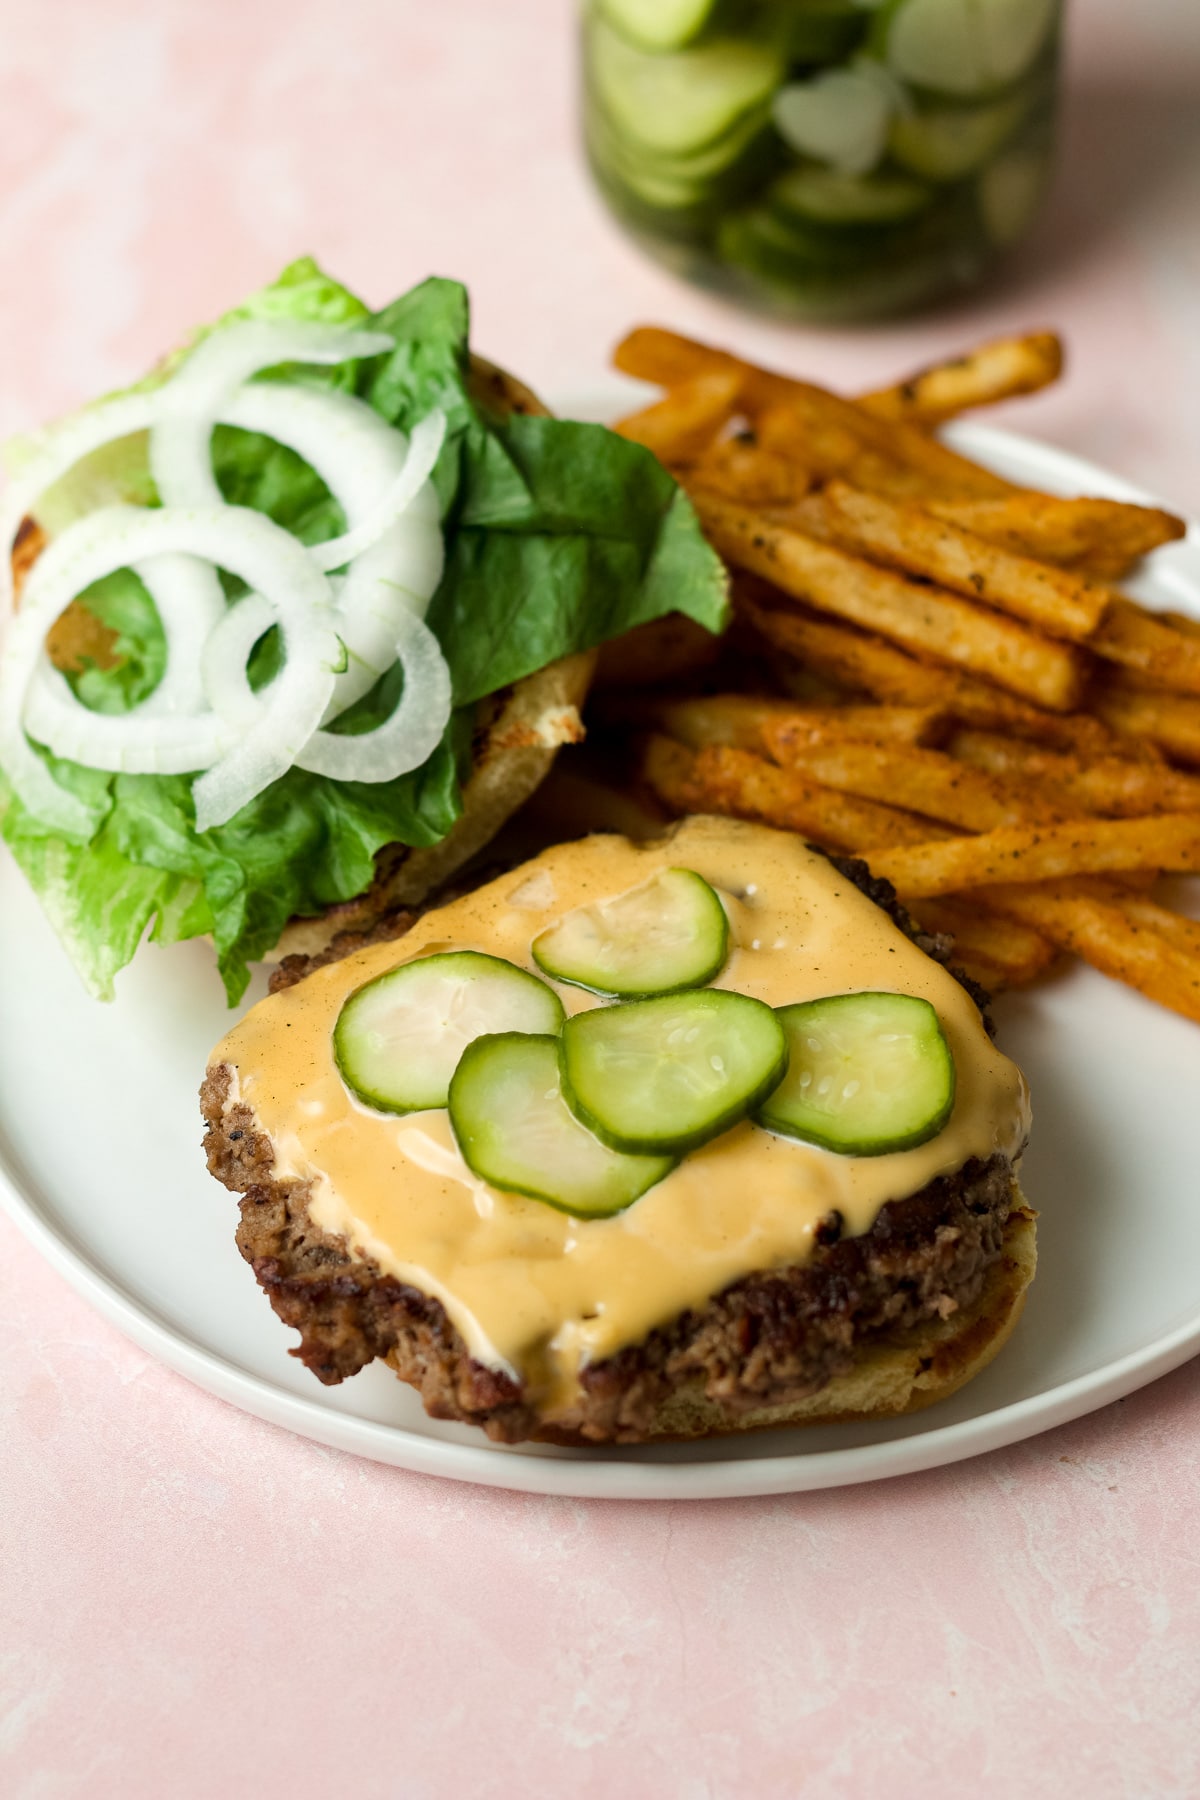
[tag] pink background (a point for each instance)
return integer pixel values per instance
(196, 1604)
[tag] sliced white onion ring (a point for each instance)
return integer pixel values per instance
(392, 551)
(223, 664)
(413, 731)
(129, 743)
(190, 602)
(424, 447)
(361, 459)
(66, 445)
(406, 739)
(192, 401)
(247, 543)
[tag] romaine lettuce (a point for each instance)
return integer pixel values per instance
(559, 536)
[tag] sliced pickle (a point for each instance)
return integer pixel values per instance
(661, 1076)
(867, 1074)
(515, 1131)
(671, 933)
(398, 1040)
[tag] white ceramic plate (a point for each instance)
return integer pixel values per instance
(100, 1165)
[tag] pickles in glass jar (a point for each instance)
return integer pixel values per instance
(833, 159)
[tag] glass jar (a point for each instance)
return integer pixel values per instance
(823, 159)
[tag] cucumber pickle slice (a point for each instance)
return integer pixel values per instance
(674, 104)
(814, 195)
(867, 1073)
(671, 933)
(398, 1040)
(664, 1075)
(515, 1131)
(658, 24)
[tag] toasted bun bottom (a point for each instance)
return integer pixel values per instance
(897, 1375)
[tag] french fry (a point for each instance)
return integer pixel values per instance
(1135, 638)
(1118, 936)
(748, 722)
(697, 720)
(1104, 538)
(1031, 853)
(1107, 784)
(1175, 927)
(665, 357)
(745, 469)
(825, 448)
(684, 423)
(920, 781)
(1182, 622)
(905, 537)
(1146, 715)
(1001, 952)
(722, 779)
(997, 371)
(926, 620)
(840, 653)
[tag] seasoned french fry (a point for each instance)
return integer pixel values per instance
(1175, 927)
(879, 725)
(1107, 784)
(997, 371)
(1171, 721)
(825, 448)
(684, 423)
(1130, 635)
(696, 720)
(986, 944)
(1182, 622)
(923, 619)
(1118, 936)
(665, 357)
(722, 779)
(750, 722)
(905, 537)
(1104, 538)
(921, 781)
(1030, 853)
(840, 653)
(745, 469)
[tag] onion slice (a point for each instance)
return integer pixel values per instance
(362, 460)
(268, 558)
(190, 602)
(413, 731)
(223, 664)
(192, 401)
(127, 743)
(63, 447)
(424, 448)
(406, 739)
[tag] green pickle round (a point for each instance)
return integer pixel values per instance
(823, 159)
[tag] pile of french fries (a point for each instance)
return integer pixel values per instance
(934, 670)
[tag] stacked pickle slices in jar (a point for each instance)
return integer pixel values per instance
(828, 158)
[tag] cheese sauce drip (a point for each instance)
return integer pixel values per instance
(531, 1290)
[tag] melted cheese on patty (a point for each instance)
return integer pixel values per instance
(531, 1290)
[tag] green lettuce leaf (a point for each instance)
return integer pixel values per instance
(558, 535)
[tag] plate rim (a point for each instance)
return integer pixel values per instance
(588, 1474)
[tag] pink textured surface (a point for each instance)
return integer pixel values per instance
(193, 1603)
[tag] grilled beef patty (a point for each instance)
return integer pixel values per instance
(768, 1339)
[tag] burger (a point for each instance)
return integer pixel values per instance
(634, 1142)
